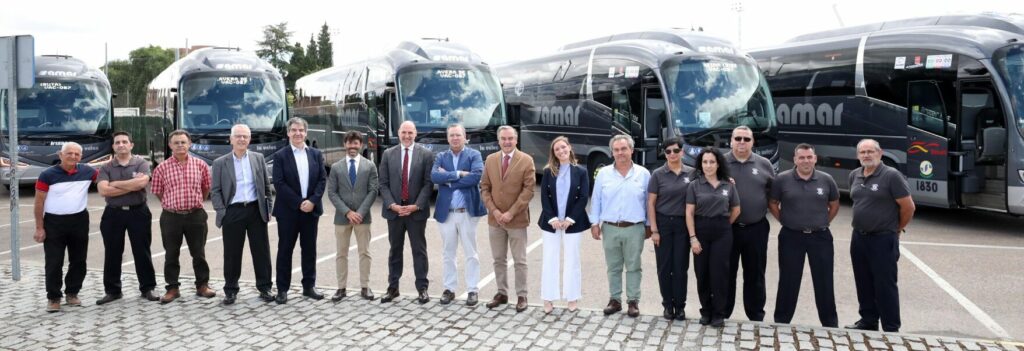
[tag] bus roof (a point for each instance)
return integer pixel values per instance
(64, 66)
(210, 60)
(1012, 23)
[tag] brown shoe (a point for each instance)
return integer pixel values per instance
(521, 304)
(633, 310)
(53, 305)
(171, 295)
(72, 300)
(498, 300)
(614, 306)
(205, 291)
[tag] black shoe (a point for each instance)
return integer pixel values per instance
(633, 309)
(680, 314)
(266, 296)
(390, 295)
(669, 313)
(338, 295)
(312, 293)
(705, 320)
(229, 298)
(447, 296)
(108, 298)
(366, 293)
(861, 325)
(423, 298)
(150, 296)
(717, 323)
(472, 299)
(614, 306)
(282, 297)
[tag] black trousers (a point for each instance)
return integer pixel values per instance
(417, 240)
(817, 247)
(874, 257)
(71, 233)
(712, 264)
(238, 222)
(750, 243)
(673, 257)
(302, 228)
(191, 228)
(137, 221)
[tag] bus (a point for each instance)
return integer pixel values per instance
(649, 85)
(943, 96)
(431, 82)
(69, 102)
(212, 89)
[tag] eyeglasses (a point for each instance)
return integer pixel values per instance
(673, 151)
(743, 139)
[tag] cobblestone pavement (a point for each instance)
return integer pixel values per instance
(353, 323)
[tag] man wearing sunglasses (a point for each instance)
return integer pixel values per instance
(753, 175)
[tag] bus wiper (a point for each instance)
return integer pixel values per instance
(695, 136)
(213, 132)
(433, 133)
(42, 135)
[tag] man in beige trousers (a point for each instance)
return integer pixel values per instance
(352, 187)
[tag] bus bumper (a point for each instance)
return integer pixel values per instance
(27, 175)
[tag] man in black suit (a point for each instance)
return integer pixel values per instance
(300, 179)
(405, 187)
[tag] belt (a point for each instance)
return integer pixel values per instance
(183, 212)
(457, 210)
(861, 232)
(243, 204)
(621, 224)
(808, 230)
(126, 208)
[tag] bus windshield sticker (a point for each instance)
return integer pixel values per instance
(632, 71)
(233, 80)
(451, 73)
(917, 63)
(720, 66)
(704, 119)
(939, 61)
(54, 86)
(901, 62)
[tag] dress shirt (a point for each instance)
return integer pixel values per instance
(620, 199)
(245, 189)
(302, 166)
(458, 200)
(562, 184)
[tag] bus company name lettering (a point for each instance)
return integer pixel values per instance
(557, 115)
(809, 115)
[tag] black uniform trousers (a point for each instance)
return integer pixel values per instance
(712, 264)
(238, 222)
(673, 257)
(417, 240)
(301, 228)
(137, 221)
(816, 246)
(874, 257)
(193, 229)
(70, 233)
(750, 242)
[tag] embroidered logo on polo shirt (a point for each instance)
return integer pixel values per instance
(821, 191)
(874, 187)
(686, 179)
(755, 171)
(725, 192)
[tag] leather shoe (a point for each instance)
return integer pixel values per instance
(717, 323)
(472, 299)
(366, 293)
(53, 305)
(614, 306)
(447, 296)
(312, 293)
(861, 325)
(229, 298)
(205, 291)
(669, 313)
(680, 314)
(423, 298)
(389, 295)
(521, 304)
(171, 295)
(150, 296)
(498, 300)
(282, 297)
(705, 320)
(73, 300)
(108, 298)
(634, 309)
(338, 295)
(266, 296)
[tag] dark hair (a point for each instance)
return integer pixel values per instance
(803, 146)
(672, 141)
(121, 132)
(353, 136)
(178, 132)
(723, 168)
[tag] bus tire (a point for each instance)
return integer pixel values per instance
(594, 164)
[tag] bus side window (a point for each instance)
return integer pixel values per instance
(927, 110)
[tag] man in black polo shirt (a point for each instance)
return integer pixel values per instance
(753, 175)
(122, 182)
(882, 207)
(805, 201)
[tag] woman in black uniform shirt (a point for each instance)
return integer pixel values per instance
(711, 206)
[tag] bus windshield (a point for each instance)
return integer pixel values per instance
(215, 102)
(1010, 64)
(435, 96)
(717, 93)
(63, 107)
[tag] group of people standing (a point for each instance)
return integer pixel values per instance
(717, 211)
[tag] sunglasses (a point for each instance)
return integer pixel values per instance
(743, 139)
(673, 151)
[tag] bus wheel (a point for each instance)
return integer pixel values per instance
(596, 161)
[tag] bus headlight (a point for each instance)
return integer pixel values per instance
(6, 162)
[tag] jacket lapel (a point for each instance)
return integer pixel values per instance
(257, 176)
(231, 178)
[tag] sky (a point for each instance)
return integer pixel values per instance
(498, 31)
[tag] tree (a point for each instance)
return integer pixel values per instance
(296, 66)
(325, 49)
(276, 47)
(130, 79)
(312, 63)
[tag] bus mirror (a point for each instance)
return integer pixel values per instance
(113, 96)
(390, 84)
(174, 90)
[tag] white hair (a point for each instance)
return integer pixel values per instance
(69, 145)
(878, 147)
(236, 129)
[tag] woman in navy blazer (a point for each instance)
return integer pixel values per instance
(564, 191)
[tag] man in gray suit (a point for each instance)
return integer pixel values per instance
(241, 196)
(405, 187)
(352, 187)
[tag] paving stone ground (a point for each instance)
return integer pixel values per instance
(250, 324)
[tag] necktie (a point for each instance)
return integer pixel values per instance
(504, 165)
(405, 175)
(352, 171)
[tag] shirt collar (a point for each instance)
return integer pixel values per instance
(71, 172)
(503, 154)
(410, 147)
(295, 149)
(814, 175)
(236, 158)
(347, 158)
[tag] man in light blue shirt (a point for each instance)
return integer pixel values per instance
(618, 210)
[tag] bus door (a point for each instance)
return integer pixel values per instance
(654, 120)
(983, 148)
(928, 171)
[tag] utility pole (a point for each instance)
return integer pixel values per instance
(738, 7)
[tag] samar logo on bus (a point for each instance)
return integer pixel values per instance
(807, 114)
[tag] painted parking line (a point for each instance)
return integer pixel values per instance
(185, 248)
(41, 244)
(91, 209)
(964, 246)
(333, 255)
(490, 277)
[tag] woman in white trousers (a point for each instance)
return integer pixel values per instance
(565, 190)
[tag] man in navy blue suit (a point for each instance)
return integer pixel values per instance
(300, 179)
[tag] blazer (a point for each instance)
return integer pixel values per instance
(357, 197)
(223, 189)
(286, 182)
(576, 204)
(449, 182)
(511, 193)
(420, 186)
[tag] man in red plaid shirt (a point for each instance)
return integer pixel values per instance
(182, 183)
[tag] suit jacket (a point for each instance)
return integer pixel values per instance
(357, 197)
(223, 189)
(511, 193)
(420, 185)
(449, 182)
(576, 204)
(286, 182)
